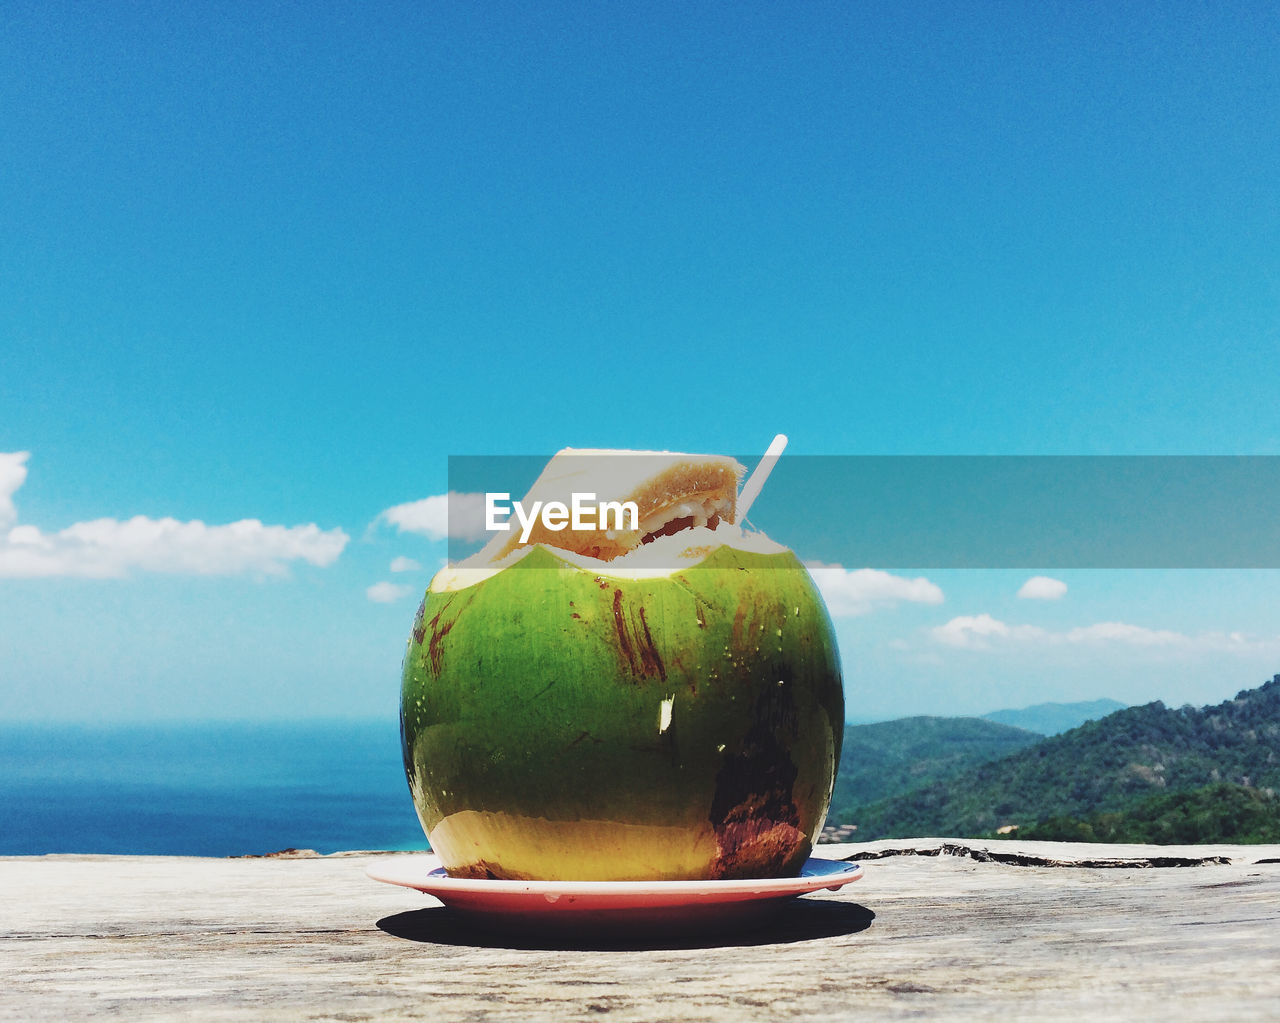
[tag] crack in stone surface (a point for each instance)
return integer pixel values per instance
(984, 855)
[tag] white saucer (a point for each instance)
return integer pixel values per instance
(606, 901)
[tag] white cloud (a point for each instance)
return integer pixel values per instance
(439, 517)
(974, 632)
(111, 548)
(1041, 587)
(403, 564)
(853, 592)
(983, 632)
(1137, 635)
(388, 593)
(13, 473)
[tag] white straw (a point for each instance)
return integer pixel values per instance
(755, 482)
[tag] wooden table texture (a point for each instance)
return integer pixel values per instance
(950, 934)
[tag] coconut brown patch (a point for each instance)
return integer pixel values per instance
(754, 812)
(636, 647)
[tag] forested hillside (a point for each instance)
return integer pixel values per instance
(893, 757)
(1108, 765)
(1215, 813)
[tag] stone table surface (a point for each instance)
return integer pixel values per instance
(938, 928)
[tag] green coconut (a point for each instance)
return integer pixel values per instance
(569, 718)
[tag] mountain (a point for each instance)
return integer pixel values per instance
(1215, 813)
(892, 757)
(1054, 718)
(1103, 766)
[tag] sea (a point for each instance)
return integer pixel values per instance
(225, 789)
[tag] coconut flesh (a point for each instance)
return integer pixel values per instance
(687, 509)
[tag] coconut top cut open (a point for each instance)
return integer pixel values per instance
(686, 503)
(671, 491)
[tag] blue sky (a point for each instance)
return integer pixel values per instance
(276, 263)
